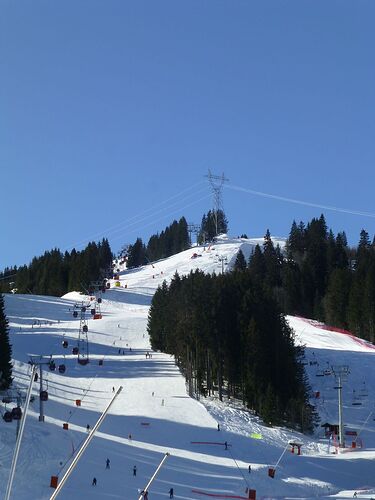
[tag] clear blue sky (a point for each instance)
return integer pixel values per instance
(111, 113)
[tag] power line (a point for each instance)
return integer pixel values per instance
(138, 218)
(301, 202)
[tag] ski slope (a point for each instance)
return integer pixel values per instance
(153, 414)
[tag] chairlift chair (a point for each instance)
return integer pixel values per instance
(99, 300)
(17, 413)
(75, 350)
(85, 328)
(8, 417)
(43, 395)
(52, 366)
(75, 314)
(65, 343)
(62, 368)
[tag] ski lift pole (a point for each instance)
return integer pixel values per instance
(153, 476)
(84, 446)
(281, 456)
(19, 436)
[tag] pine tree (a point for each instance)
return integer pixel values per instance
(5, 349)
(240, 264)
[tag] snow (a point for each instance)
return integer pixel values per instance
(155, 410)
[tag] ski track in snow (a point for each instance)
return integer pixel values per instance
(169, 420)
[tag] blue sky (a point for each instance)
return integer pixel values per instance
(112, 112)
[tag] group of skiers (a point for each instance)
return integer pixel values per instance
(143, 493)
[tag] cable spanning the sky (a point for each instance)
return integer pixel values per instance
(147, 218)
(300, 202)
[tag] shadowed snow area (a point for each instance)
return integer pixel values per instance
(153, 414)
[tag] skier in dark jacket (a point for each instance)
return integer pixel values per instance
(135, 470)
(107, 462)
(94, 481)
(171, 493)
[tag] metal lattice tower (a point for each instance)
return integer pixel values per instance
(216, 183)
(341, 374)
(83, 339)
(193, 228)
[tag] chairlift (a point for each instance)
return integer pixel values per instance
(75, 350)
(327, 372)
(99, 300)
(75, 314)
(43, 395)
(363, 392)
(108, 285)
(17, 413)
(356, 400)
(65, 343)
(83, 309)
(52, 366)
(83, 361)
(6, 399)
(62, 368)
(92, 311)
(85, 328)
(8, 417)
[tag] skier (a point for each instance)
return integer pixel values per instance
(171, 493)
(113, 389)
(226, 445)
(94, 481)
(145, 495)
(135, 470)
(107, 462)
(218, 427)
(88, 428)
(249, 469)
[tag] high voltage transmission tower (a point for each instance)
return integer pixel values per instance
(216, 183)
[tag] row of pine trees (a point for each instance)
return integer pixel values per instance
(5, 350)
(56, 273)
(175, 238)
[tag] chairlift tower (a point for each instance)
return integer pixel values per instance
(43, 394)
(83, 340)
(193, 228)
(341, 373)
(216, 183)
(97, 288)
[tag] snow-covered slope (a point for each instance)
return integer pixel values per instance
(153, 414)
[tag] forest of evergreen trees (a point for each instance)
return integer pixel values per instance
(227, 335)
(320, 277)
(56, 273)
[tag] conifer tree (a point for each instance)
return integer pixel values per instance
(5, 349)
(240, 264)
